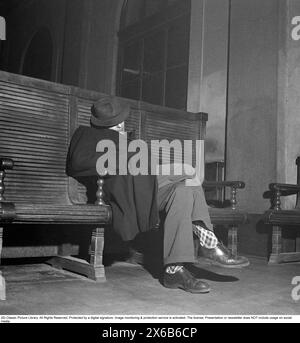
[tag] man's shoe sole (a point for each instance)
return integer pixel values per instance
(218, 264)
(198, 291)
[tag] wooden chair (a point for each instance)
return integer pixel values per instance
(281, 219)
(228, 215)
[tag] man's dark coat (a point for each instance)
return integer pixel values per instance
(133, 199)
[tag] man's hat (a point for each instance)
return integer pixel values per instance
(109, 111)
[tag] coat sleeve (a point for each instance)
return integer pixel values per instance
(82, 156)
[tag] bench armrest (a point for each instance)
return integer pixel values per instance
(282, 189)
(221, 184)
(292, 189)
(5, 164)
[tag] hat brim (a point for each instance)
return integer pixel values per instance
(112, 121)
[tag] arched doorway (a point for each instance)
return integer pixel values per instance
(38, 56)
(154, 51)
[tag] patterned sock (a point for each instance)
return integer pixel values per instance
(207, 238)
(173, 268)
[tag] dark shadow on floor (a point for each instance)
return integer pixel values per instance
(149, 245)
(201, 273)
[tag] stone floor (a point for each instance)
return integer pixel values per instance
(130, 289)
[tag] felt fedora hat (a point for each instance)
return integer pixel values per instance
(109, 111)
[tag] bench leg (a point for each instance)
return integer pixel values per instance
(232, 239)
(276, 245)
(93, 270)
(298, 244)
(97, 271)
(2, 280)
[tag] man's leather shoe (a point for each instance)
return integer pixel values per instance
(183, 279)
(223, 257)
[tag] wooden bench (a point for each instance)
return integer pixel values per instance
(281, 219)
(37, 120)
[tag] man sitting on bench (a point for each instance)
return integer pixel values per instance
(136, 201)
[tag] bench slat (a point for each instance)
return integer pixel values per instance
(88, 214)
(283, 217)
(34, 132)
(226, 216)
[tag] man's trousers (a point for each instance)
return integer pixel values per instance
(181, 206)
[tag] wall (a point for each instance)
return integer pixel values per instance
(23, 23)
(73, 40)
(86, 41)
(208, 70)
(84, 35)
(263, 108)
(99, 55)
(252, 99)
(288, 95)
(264, 98)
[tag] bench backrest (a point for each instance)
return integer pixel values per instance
(37, 120)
